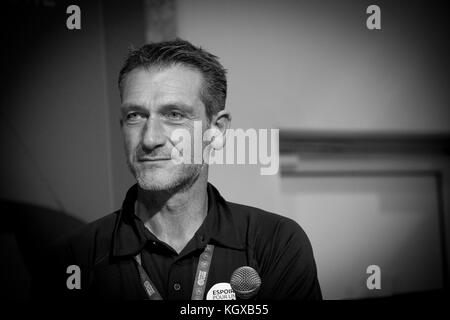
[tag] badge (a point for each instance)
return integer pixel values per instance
(221, 291)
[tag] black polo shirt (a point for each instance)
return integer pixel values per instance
(275, 246)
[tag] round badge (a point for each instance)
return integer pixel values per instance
(221, 291)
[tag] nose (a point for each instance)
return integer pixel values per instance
(153, 134)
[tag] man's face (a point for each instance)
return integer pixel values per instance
(155, 102)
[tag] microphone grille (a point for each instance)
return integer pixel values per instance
(245, 282)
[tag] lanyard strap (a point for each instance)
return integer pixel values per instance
(204, 262)
(149, 287)
(201, 276)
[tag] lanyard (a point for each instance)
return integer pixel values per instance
(201, 276)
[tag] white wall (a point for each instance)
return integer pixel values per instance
(354, 222)
(313, 65)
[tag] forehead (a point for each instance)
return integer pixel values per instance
(175, 83)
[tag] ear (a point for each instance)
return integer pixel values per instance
(221, 120)
(216, 133)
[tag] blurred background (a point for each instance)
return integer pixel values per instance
(363, 115)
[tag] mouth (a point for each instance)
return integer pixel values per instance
(153, 159)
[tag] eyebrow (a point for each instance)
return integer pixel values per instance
(177, 105)
(170, 105)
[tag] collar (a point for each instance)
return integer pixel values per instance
(130, 234)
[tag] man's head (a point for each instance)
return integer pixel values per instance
(163, 87)
(180, 52)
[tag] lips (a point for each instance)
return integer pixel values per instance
(152, 159)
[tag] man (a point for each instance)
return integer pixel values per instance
(175, 237)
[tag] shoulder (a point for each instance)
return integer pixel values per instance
(83, 248)
(99, 228)
(268, 235)
(265, 224)
(282, 253)
(90, 243)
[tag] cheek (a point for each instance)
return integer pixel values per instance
(131, 139)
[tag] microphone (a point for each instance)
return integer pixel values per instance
(245, 282)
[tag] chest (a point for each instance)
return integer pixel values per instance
(173, 278)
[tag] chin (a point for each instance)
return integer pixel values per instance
(165, 181)
(154, 183)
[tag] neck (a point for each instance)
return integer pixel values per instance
(174, 218)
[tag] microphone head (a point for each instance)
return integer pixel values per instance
(245, 282)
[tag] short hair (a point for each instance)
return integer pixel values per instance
(167, 53)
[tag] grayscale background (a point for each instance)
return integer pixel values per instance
(364, 121)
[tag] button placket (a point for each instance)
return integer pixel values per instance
(174, 282)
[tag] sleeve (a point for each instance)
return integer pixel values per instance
(288, 268)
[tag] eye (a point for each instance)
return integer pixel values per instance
(133, 117)
(175, 115)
